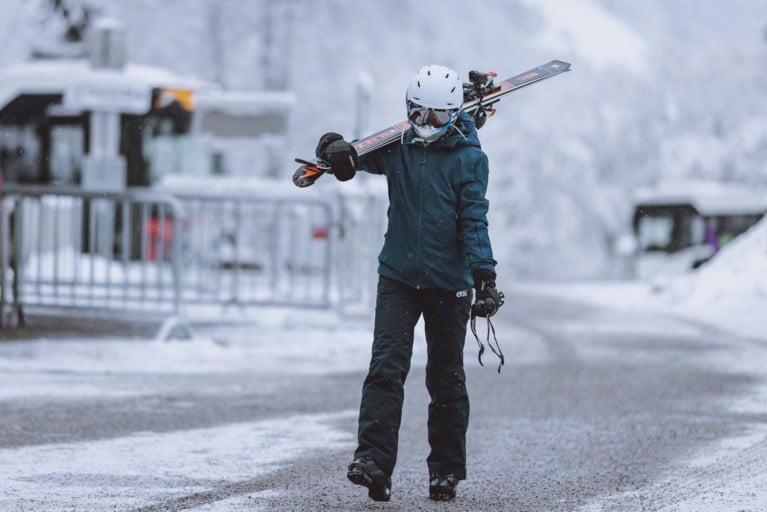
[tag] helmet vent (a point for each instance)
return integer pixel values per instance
(428, 89)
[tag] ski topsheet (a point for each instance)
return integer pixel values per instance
(479, 96)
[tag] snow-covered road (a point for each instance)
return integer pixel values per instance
(598, 409)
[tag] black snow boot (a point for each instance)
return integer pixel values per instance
(365, 472)
(442, 487)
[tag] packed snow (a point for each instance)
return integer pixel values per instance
(121, 470)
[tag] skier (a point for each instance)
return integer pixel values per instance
(436, 247)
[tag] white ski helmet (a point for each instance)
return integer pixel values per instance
(438, 88)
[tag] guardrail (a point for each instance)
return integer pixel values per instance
(155, 253)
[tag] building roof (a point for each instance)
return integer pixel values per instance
(708, 198)
(55, 77)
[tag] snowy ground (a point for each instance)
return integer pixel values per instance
(729, 294)
(131, 471)
(123, 472)
(136, 470)
(729, 475)
(141, 467)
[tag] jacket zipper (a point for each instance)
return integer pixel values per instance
(420, 216)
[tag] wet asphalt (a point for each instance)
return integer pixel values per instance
(581, 414)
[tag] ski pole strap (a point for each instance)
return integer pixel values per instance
(495, 348)
(481, 347)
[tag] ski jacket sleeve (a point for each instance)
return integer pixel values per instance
(377, 162)
(472, 218)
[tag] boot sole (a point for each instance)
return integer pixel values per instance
(377, 491)
(441, 496)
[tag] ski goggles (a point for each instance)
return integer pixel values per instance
(425, 116)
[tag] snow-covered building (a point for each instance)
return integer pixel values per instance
(678, 226)
(105, 122)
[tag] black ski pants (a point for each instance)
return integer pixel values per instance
(446, 313)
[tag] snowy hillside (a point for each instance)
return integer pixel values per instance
(585, 29)
(659, 89)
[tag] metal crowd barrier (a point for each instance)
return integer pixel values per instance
(159, 253)
(69, 248)
(249, 251)
(362, 223)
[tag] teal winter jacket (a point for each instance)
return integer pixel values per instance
(437, 232)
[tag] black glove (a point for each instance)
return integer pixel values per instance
(339, 154)
(487, 299)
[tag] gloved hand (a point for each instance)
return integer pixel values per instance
(487, 298)
(339, 154)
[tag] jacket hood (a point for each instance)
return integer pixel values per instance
(462, 133)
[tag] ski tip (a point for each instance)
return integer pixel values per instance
(558, 65)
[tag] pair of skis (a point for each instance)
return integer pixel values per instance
(480, 95)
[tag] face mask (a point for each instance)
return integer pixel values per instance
(429, 133)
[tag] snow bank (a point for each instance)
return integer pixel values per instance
(729, 292)
(736, 276)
